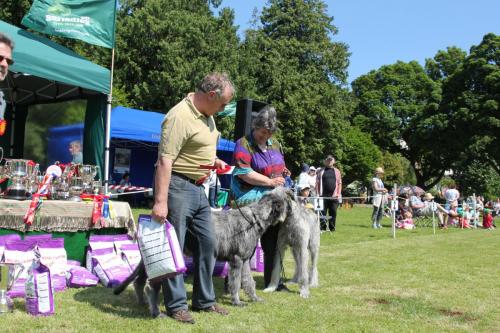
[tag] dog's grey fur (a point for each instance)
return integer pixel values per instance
(237, 232)
(301, 232)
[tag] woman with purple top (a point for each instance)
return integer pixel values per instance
(259, 167)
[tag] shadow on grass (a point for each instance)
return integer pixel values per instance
(103, 299)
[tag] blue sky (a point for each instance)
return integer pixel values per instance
(380, 32)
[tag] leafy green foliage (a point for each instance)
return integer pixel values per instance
(478, 177)
(165, 47)
(361, 157)
(471, 98)
(291, 62)
(395, 102)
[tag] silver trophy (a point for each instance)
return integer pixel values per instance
(18, 171)
(88, 173)
(9, 273)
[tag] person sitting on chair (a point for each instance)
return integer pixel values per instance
(424, 208)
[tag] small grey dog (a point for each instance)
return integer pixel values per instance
(237, 232)
(301, 232)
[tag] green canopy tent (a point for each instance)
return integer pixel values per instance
(46, 72)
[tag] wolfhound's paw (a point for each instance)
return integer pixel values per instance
(269, 289)
(304, 293)
(239, 303)
(314, 284)
(257, 299)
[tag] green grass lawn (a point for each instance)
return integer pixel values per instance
(369, 282)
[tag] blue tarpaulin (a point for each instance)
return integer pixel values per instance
(127, 126)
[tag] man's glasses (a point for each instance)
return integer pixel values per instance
(10, 62)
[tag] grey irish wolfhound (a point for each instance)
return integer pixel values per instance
(237, 232)
(301, 232)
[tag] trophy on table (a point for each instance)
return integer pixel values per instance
(17, 170)
(75, 188)
(88, 173)
(32, 177)
(9, 273)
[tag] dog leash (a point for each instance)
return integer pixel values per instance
(246, 219)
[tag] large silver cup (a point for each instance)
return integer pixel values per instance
(18, 171)
(9, 273)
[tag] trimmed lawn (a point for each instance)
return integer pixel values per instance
(369, 282)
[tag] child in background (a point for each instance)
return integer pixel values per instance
(304, 192)
(453, 214)
(488, 220)
(464, 217)
(406, 222)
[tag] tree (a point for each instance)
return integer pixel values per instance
(291, 61)
(13, 11)
(469, 113)
(360, 157)
(165, 47)
(395, 103)
(476, 177)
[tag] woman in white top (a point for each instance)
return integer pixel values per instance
(379, 197)
(312, 181)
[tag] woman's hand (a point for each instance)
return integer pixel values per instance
(278, 181)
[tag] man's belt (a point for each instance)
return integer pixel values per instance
(180, 175)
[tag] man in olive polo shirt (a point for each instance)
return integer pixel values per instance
(188, 140)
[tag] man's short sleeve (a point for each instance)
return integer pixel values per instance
(174, 133)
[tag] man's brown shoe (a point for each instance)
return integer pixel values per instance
(216, 308)
(182, 316)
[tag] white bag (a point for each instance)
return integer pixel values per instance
(160, 249)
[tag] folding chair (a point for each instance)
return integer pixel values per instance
(422, 220)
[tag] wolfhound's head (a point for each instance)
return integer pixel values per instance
(276, 204)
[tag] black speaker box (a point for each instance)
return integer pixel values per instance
(245, 109)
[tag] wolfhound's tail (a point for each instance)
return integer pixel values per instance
(138, 270)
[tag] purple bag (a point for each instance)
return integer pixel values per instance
(257, 260)
(7, 238)
(72, 263)
(19, 252)
(110, 269)
(53, 255)
(39, 295)
(130, 254)
(101, 242)
(18, 289)
(221, 268)
(160, 249)
(38, 238)
(77, 277)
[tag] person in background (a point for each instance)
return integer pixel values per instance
(311, 181)
(189, 139)
(304, 175)
(379, 198)
(75, 148)
(451, 194)
(259, 167)
(303, 196)
(213, 185)
(487, 219)
(6, 48)
(329, 186)
(125, 181)
(288, 179)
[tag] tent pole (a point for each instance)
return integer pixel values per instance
(108, 125)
